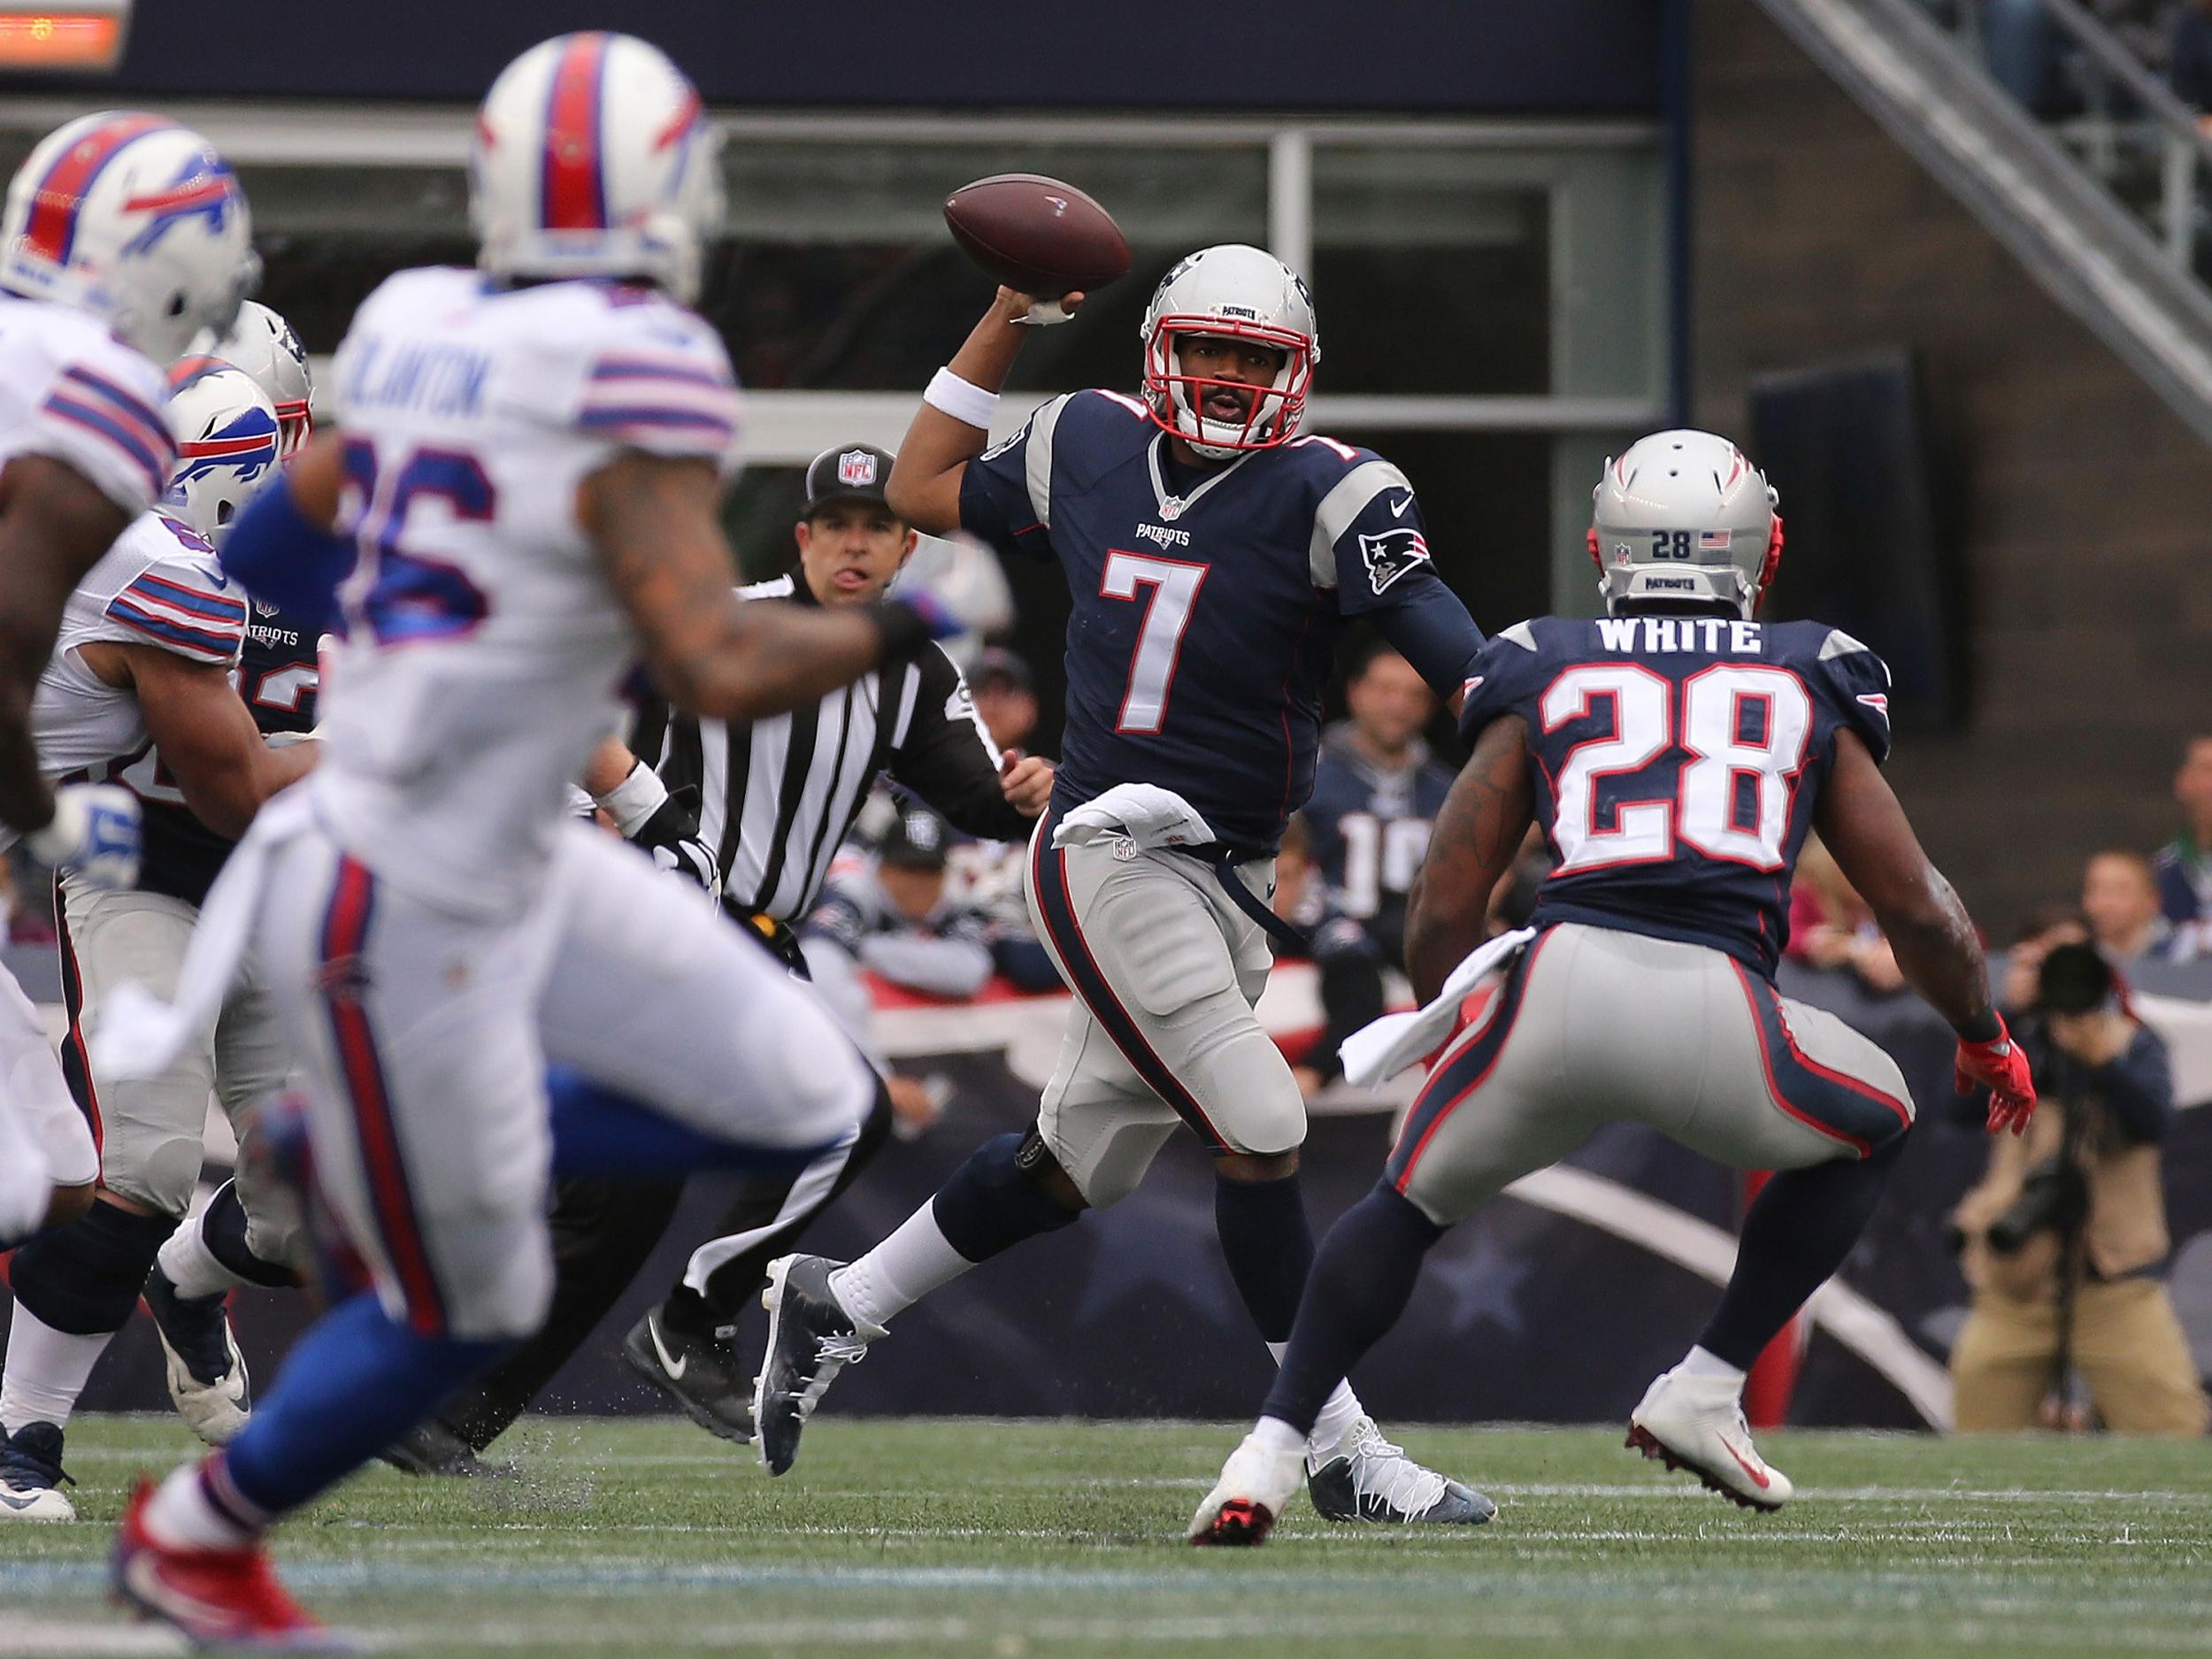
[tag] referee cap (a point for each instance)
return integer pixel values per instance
(845, 472)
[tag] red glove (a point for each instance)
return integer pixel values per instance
(1998, 1066)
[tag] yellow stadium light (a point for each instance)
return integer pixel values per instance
(85, 34)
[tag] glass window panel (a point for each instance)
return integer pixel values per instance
(1430, 275)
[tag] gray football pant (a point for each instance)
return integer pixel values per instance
(1166, 970)
(1594, 1027)
(153, 1130)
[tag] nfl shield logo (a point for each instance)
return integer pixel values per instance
(856, 469)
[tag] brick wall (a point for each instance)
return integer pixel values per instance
(2086, 505)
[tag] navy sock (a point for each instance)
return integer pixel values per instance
(1361, 1283)
(223, 1230)
(85, 1277)
(354, 1384)
(1269, 1246)
(1796, 1234)
(989, 1203)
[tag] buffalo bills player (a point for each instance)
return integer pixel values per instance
(1213, 554)
(1676, 753)
(124, 235)
(529, 464)
(140, 689)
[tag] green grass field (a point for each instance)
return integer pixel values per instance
(994, 1539)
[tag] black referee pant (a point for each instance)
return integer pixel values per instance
(603, 1233)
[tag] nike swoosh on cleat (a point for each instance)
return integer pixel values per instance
(674, 1367)
(141, 1576)
(1758, 1477)
(14, 1502)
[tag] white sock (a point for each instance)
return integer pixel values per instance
(46, 1370)
(182, 1515)
(191, 1266)
(1338, 1411)
(900, 1271)
(1277, 1436)
(1699, 1363)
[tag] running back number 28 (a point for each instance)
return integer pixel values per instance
(1738, 721)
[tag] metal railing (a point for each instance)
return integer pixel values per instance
(2132, 132)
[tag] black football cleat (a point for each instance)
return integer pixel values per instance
(431, 1448)
(699, 1374)
(810, 1339)
(1367, 1478)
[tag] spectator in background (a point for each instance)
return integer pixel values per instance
(2063, 1240)
(1348, 965)
(2189, 61)
(1376, 794)
(2184, 867)
(988, 875)
(2119, 897)
(1831, 927)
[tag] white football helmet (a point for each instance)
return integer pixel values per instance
(263, 344)
(226, 429)
(136, 220)
(593, 157)
(1232, 292)
(1682, 516)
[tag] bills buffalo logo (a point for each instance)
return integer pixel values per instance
(856, 469)
(1392, 554)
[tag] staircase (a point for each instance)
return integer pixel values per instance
(2054, 195)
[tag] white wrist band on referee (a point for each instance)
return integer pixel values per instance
(635, 799)
(963, 400)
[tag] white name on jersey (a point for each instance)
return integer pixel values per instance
(1654, 635)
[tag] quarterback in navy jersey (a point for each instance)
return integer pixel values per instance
(1213, 553)
(1675, 752)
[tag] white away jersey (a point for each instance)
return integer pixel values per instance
(71, 389)
(159, 585)
(484, 646)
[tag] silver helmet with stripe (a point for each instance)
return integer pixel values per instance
(1682, 517)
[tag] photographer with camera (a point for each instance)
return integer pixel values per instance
(2063, 1239)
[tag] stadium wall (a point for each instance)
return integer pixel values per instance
(2080, 499)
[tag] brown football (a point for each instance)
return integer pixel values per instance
(1036, 235)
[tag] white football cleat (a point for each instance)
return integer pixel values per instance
(30, 1477)
(207, 1377)
(1256, 1483)
(1697, 1424)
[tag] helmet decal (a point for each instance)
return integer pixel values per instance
(205, 187)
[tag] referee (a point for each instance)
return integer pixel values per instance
(775, 798)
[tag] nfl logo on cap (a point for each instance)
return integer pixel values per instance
(856, 469)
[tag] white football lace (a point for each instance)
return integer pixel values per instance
(841, 1350)
(1383, 1470)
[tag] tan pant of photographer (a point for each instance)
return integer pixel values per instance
(2125, 1342)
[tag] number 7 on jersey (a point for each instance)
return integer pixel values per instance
(1175, 584)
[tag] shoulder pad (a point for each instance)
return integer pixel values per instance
(1522, 633)
(102, 408)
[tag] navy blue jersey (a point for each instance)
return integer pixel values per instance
(1370, 829)
(1677, 762)
(276, 675)
(1207, 603)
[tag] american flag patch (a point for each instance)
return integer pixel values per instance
(1712, 541)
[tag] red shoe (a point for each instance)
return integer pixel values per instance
(219, 1598)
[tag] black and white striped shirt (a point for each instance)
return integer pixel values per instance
(776, 796)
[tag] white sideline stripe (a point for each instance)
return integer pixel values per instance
(46, 1637)
(1866, 1330)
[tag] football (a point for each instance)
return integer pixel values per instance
(1037, 236)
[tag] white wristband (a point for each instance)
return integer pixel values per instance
(635, 799)
(963, 400)
(59, 840)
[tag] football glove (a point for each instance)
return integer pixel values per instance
(94, 832)
(2000, 1066)
(671, 837)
